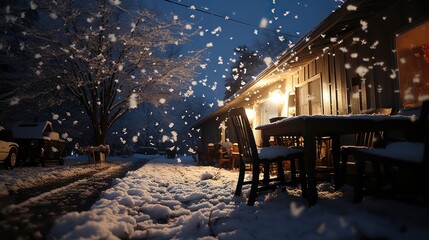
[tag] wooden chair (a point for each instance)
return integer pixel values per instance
(224, 157)
(260, 159)
(210, 153)
(235, 154)
(411, 155)
(362, 140)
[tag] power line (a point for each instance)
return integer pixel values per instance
(228, 18)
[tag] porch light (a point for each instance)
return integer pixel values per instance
(276, 97)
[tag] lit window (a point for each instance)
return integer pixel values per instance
(413, 62)
(309, 96)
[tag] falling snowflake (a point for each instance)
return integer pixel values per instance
(14, 101)
(220, 103)
(374, 45)
(65, 135)
(364, 25)
(115, 2)
(33, 5)
(53, 15)
(408, 94)
(165, 138)
(343, 49)
(362, 71)
(216, 30)
(351, 7)
(132, 101)
(112, 37)
(263, 23)
(220, 60)
(55, 116)
(268, 61)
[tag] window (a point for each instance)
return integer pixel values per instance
(309, 97)
(269, 109)
(413, 63)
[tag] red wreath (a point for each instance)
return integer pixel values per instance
(425, 49)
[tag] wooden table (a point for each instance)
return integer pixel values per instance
(312, 127)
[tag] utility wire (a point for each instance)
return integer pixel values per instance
(228, 18)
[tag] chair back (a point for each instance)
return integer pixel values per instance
(372, 139)
(234, 148)
(244, 135)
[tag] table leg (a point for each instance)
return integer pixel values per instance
(310, 167)
(265, 140)
(338, 178)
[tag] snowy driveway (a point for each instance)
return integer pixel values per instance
(33, 197)
(168, 199)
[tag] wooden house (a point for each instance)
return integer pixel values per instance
(368, 54)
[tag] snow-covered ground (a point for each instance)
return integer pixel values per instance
(175, 199)
(26, 177)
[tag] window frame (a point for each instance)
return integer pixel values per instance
(309, 111)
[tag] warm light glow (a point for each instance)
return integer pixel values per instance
(250, 113)
(276, 97)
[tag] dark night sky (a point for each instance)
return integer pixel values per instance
(292, 18)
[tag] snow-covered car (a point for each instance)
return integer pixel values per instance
(8, 149)
(39, 142)
(147, 151)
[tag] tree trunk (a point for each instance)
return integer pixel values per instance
(100, 134)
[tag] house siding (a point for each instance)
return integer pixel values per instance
(343, 90)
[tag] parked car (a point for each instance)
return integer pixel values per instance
(39, 142)
(147, 150)
(8, 149)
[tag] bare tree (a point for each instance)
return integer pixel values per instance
(247, 66)
(250, 61)
(106, 57)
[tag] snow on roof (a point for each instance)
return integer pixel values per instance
(31, 130)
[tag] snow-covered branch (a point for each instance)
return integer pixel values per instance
(103, 54)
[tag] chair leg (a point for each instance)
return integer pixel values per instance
(378, 174)
(360, 171)
(293, 172)
(340, 169)
(240, 181)
(302, 177)
(281, 174)
(254, 187)
(266, 173)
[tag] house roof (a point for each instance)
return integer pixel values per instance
(31, 130)
(337, 26)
